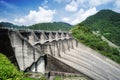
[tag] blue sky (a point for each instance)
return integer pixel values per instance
(28, 12)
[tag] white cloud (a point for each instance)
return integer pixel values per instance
(75, 4)
(98, 2)
(80, 16)
(72, 7)
(117, 4)
(42, 15)
(66, 19)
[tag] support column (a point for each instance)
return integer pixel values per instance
(56, 36)
(43, 38)
(41, 65)
(32, 38)
(50, 37)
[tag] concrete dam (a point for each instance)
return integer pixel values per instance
(55, 52)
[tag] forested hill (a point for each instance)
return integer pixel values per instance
(55, 26)
(11, 25)
(107, 23)
(7, 24)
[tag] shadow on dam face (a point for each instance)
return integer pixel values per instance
(6, 47)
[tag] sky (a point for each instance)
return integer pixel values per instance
(29, 12)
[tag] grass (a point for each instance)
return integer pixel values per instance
(57, 78)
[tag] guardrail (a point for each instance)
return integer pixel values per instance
(30, 30)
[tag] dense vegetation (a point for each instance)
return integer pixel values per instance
(9, 72)
(85, 35)
(107, 22)
(55, 26)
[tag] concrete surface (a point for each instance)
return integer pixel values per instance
(30, 48)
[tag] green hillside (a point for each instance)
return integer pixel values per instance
(107, 22)
(106, 25)
(55, 26)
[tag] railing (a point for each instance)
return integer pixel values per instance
(56, 73)
(62, 74)
(29, 30)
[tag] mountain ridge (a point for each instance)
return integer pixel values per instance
(107, 22)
